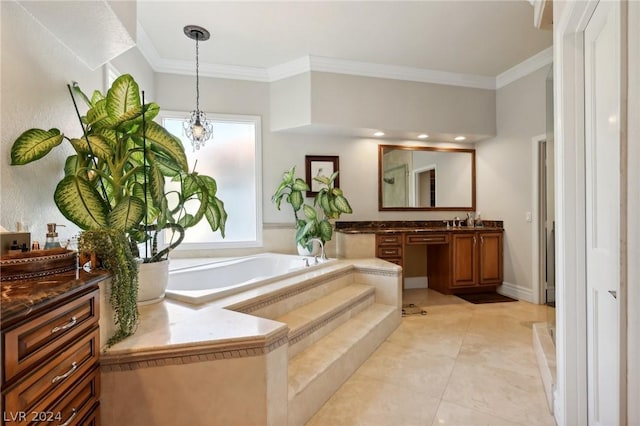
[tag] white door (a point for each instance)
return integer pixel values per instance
(602, 157)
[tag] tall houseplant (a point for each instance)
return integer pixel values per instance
(115, 180)
(328, 204)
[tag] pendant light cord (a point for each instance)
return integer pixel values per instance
(197, 76)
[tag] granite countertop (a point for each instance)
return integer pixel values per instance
(21, 298)
(393, 227)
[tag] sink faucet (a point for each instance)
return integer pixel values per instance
(323, 256)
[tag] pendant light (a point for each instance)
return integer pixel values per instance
(197, 128)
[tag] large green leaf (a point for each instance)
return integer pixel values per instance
(134, 116)
(300, 185)
(100, 147)
(342, 204)
(295, 199)
(155, 184)
(160, 139)
(34, 144)
(309, 212)
(127, 214)
(122, 97)
(325, 230)
(97, 117)
(190, 185)
(208, 183)
(167, 165)
(223, 215)
(216, 215)
(71, 165)
(80, 202)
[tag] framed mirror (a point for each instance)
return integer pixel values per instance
(426, 178)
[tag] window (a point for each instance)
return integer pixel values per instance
(233, 158)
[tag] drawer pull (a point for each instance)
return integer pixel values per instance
(70, 419)
(64, 327)
(74, 367)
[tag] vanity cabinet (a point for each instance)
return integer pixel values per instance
(50, 360)
(455, 260)
(477, 259)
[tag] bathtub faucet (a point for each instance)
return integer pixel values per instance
(323, 255)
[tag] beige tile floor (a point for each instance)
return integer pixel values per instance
(461, 364)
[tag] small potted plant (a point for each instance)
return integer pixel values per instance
(315, 222)
(115, 181)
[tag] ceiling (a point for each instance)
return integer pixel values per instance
(478, 38)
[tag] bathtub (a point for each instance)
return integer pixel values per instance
(201, 280)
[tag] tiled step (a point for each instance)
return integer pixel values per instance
(317, 372)
(309, 323)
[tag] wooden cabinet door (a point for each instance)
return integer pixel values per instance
(490, 257)
(464, 259)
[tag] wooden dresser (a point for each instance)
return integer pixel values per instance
(50, 350)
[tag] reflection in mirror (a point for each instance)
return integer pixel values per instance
(426, 178)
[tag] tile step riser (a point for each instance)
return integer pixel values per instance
(304, 338)
(307, 401)
(288, 304)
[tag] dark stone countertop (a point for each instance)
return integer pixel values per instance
(392, 227)
(19, 299)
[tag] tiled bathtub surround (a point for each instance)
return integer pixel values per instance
(230, 362)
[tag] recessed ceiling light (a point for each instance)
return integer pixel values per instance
(459, 138)
(378, 134)
(423, 136)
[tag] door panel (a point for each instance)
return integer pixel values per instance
(602, 149)
(464, 252)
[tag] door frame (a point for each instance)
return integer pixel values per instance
(570, 21)
(538, 249)
(537, 243)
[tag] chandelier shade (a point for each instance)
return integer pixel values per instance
(197, 128)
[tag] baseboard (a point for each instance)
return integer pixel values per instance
(516, 292)
(416, 282)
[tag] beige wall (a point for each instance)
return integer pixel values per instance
(504, 172)
(340, 101)
(35, 72)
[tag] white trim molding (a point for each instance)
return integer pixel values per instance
(516, 292)
(339, 66)
(570, 20)
(525, 67)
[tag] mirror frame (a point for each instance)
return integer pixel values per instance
(381, 149)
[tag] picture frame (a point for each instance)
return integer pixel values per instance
(320, 165)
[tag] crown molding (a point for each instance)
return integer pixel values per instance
(525, 67)
(340, 66)
(369, 69)
(172, 66)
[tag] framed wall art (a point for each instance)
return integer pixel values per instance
(320, 165)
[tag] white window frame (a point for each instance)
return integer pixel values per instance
(250, 119)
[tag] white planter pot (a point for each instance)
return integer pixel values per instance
(152, 282)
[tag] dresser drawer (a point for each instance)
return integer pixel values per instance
(427, 239)
(78, 403)
(387, 252)
(389, 239)
(93, 418)
(39, 390)
(32, 343)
